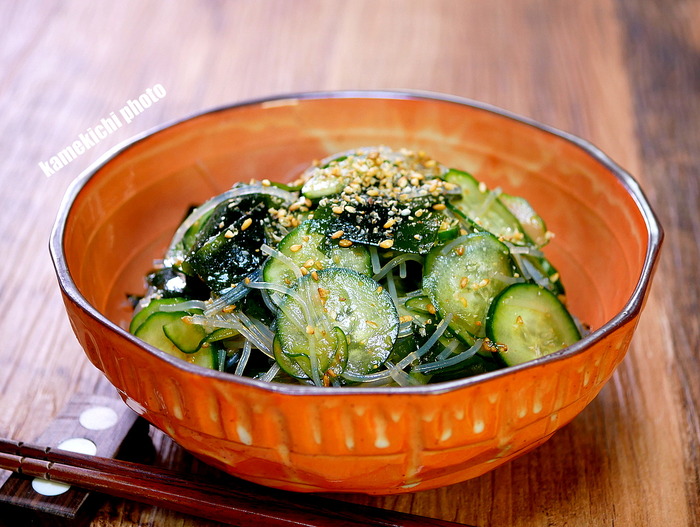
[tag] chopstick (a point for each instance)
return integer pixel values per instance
(243, 504)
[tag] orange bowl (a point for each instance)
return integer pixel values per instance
(119, 216)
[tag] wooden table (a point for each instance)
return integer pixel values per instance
(624, 74)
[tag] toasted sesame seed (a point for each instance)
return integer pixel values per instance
(390, 223)
(337, 209)
(345, 243)
(380, 289)
(459, 250)
(296, 247)
(228, 234)
(265, 182)
(337, 234)
(350, 209)
(247, 223)
(405, 318)
(431, 309)
(439, 206)
(310, 330)
(309, 263)
(519, 320)
(229, 309)
(386, 244)
(304, 271)
(463, 282)
(314, 275)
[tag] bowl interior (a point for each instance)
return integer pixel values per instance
(126, 213)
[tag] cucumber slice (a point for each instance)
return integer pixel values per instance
(306, 246)
(342, 298)
(187, 337)
(531, 322)
(152, 307)
(152, 331)
(484, 208)
(420, 304)
(532, 223)
(323, 184)
(463, 277)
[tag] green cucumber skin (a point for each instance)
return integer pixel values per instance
(526, 305)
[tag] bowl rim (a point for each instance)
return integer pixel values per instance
(630, 310)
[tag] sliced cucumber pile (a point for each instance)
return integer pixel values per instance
(374, 268)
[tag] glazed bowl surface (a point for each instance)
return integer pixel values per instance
(119, 216)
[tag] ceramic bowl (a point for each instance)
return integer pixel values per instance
(119, 216)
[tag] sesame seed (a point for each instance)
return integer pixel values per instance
(314, 275)
(229, 309)
(265, 182)
(431, 309)
(439, 206)
(310, 330)
(390, 223)
(337, 234)
(405, 318)
(247, 223)
(459, 250)
(463, 282)
(386, 244)
(337, 210)
(296, 247)
(304, 271)
(228, 234)
(345, 243)
(309, 263)
(350, 209)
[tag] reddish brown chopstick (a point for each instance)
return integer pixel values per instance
(238, 503)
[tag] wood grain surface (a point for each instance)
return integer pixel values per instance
(623, 74)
